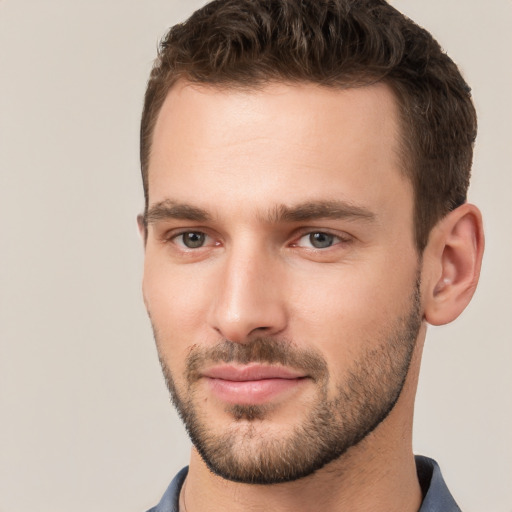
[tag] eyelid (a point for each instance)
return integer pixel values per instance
(173, 235)
(213, 238)
(342, 237)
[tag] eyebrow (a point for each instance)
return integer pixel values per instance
(312, 210)
(320, 210)
(169, 209)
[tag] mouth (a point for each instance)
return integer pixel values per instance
(252, 384)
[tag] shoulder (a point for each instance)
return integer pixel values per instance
(170, 499)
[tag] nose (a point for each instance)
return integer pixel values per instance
(249, 301)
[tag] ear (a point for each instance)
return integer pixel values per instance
(141, 224)
(451, 264)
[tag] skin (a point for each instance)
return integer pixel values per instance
(237, 158)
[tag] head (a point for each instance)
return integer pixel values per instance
(340, 44)
(305, 166)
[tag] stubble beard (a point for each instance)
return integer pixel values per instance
(248, 451)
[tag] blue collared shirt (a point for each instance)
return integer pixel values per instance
(437, 497)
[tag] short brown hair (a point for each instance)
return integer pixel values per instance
(335, 43)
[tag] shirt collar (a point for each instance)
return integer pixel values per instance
(436, 496)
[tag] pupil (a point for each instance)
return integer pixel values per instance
(320, 240)
(193, 240)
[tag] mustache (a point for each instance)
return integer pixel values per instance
(274, 351)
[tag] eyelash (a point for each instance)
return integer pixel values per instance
(174, 237)
(337, 239)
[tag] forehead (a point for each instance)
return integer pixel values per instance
(282, 141)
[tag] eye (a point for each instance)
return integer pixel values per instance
(318, 240)
(191, 239)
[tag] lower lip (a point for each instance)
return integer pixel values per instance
(252, 392)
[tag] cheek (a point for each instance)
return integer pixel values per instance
(347, 311)
(172, 296)
(176, 304)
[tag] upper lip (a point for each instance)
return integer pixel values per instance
(250, 372)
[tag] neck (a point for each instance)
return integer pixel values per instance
(388, 482)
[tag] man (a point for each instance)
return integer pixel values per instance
(305, 168)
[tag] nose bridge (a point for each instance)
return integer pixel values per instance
(248, 300)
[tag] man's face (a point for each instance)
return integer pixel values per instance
(281, 275)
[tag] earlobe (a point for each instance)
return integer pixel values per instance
(452, 262)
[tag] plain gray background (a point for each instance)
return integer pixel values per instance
(85, 423)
